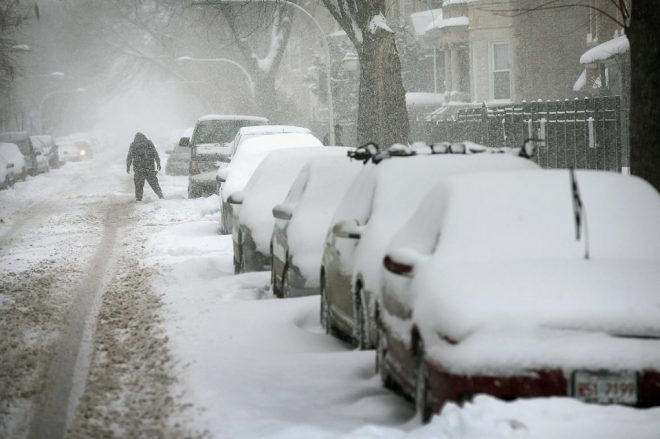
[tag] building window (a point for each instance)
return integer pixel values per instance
(501, 71)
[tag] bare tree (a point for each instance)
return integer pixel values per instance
(251, 28)
(382, 114)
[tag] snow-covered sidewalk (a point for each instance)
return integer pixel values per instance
(255, 366)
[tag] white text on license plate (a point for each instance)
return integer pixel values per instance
(606, 387)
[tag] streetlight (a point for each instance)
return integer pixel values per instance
(331, 117)
(50, 95)
(189, 59)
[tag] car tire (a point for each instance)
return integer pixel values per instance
(325, 310)
(361, 333)
(422, 386)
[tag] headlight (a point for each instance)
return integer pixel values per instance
(82, 152)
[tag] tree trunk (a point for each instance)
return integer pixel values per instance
(265, 97)
(382, 114)
(644, 34)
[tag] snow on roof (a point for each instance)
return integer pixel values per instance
(270, 184)
(606, 50)
(253, 151)
(447, 22)
(507, 265)
(232, 117)
(12, 154)
(581, 81)
(424, 99)
(272, 129)
(324, 183)
(422, 20)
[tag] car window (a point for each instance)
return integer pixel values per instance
(217, 131)
(298, 187)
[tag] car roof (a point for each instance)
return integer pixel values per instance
(273, 129)
(13, 136)
(232, 117)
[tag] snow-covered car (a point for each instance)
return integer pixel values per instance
(302, 220)
(22, 140)
(6, 173)
(236, 175)
(380, 200)
(263, 130)
(523, 284)
(69, 151)
(178, 157)
(209, 148)
(11, 154)
(46, 144)
(267, 187)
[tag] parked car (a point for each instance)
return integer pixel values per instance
(209, 148)
(267, 187)
(12, 155)
(6, 173)
(22, 140)
(46, 144)
(178, 158)
(487, 290)
(263, 130)
(379, 201)
(235, 176)
(302, 220)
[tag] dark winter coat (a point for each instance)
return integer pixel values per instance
(142, 154)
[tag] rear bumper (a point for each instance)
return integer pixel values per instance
(448, 387)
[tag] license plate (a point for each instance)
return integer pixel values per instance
(606, 387)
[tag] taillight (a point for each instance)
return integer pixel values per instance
(397, 267)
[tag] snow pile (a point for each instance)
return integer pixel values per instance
(423, 99)
(253, 151)
(422, 20)
(535, 301)
(553, 418)
(269, 185)
(324, 183)
(606, 50)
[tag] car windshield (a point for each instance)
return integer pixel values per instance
(218, 131)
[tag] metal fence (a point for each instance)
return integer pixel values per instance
(580, 133)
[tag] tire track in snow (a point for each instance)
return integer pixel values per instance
(68, 370)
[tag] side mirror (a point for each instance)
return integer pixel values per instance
(38, 153)
(283, 211)
(222, 174)
(10, 166)
(348, 229)
(184, 141)
(236, 198)
(402, 261)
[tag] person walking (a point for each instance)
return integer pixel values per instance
(142, 154)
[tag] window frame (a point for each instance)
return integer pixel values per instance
(493, 70)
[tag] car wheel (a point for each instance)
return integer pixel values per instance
(422, 387)
(361, 332)
(325, 310)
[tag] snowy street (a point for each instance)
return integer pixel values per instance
(125, 319)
